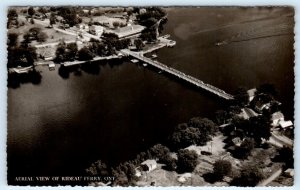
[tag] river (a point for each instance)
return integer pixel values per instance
(60, 126)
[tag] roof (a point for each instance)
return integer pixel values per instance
(246, 113)
(149, 162)
(277, 115)
(251, 93)
(96, 27)
(128, 30)
(285, 124)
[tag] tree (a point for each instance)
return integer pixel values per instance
(138, 44)
(259, 128)
(184, 136)
(32, 21)
(159, 151)
(221, 117)
(187, 160)
(71, 51)
(70, 15)
(148, 35)
(241, 96)
(41, 37)
(245, 148)
(60, 52)
(170, 163)
(205, 125)
(85, 54)
(34, 31)
(267, 89)
(31, 11)
(12, 14)
(12, 39)
(52, 19)
(250, 175)
(222, 168)
(42, 10)
(98, 168)
(116, 24)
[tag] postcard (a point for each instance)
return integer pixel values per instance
(150, 96)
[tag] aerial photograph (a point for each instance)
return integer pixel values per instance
(150, 96)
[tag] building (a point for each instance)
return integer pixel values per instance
(96, 30)
(251, 94)
(246, 113)
(276, 118)
(149, 165)
(128, 31)
(286, 124)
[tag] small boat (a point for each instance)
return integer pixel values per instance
(145, 64)
(154, 56)
(220, 43)
(134, 60)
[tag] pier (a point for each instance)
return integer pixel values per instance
(179, 74)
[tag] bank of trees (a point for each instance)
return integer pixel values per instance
(197, 131)
(19, 54)
(149, 18)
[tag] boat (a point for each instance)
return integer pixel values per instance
(154, 56)
(145, 64)
(134, 60)
(220, 43)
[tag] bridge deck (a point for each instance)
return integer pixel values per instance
(179, 74)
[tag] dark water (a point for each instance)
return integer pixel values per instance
(62, 125)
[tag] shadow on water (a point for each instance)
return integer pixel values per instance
(190, 86)
(15, 80)
(92, 68)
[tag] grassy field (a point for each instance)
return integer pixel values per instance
(53, 35)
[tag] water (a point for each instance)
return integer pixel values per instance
(62, 125)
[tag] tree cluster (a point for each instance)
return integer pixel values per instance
(187, 160)
(198, 131)
(35, 33)
(250, 176)
(69, 14)
(66, 52)
(19, 55)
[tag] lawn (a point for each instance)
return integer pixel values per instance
(53, 35)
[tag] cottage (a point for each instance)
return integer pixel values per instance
(246, 113)
(276, 118)
(149, 165)
(251, 94)
(237, 141)
(286, 124)
(96, 30)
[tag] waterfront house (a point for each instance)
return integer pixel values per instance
(251, 94)
(148, 165)
(246, 113)
(128, 31)
(286, 124)
(276, 118)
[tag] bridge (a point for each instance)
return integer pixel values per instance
(179, 74)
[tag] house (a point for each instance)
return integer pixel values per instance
(128, 31)
(276, 118)
(251, 94)
(246, 113)
(96, 30)
(286, 124)
(260, 106)
(289, 172)
(237, 141)
(149, 165)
